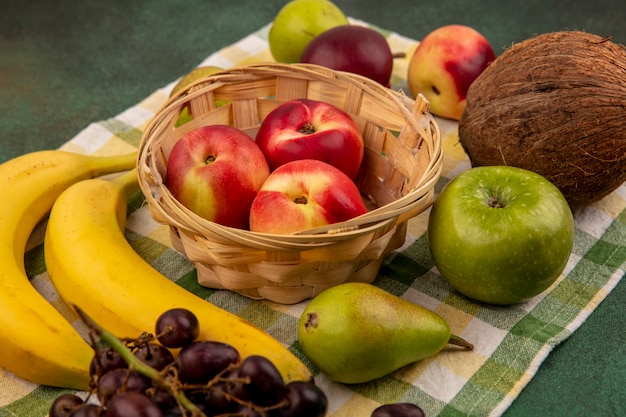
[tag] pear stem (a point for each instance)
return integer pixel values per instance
(459, 341)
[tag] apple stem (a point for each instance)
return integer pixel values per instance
(494, 202)
(399, 55)
(307, 129)
(459, 341)
(300, 200)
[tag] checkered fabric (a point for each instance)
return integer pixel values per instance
(510, 342)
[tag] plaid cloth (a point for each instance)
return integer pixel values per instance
(510, 342)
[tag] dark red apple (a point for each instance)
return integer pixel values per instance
(356, 49)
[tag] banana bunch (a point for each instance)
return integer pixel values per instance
(93, 267)
(36, 342)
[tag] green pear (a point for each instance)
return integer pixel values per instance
(192, 76)
(297, 23)
(357, 332)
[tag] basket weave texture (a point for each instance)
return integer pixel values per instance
(402, 163)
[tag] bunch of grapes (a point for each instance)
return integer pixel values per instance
(141, 378)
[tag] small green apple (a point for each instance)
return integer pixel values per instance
(500, 234)
(193, 75)
(297, 23)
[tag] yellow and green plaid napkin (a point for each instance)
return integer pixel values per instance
(510, 342)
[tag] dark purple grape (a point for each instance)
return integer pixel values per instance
(105, 360)
(217, 400)
(119, 380)
(154, 355)
(177, 327)
(304, 399)
(173, 412)
(265, 381)
(63, 405)
(196, 394)
(246, 411)
(398, 410)
(132, 404)
(176, 411)
(162, 398)
(201, 361)
(86, 410)
(233, 386)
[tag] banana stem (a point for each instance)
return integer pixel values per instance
(459, 341)
(111, 164)
(137, 365)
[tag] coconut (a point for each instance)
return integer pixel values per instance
(554, 104)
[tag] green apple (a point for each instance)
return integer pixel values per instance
(193, 75)
(500, 234)
(297, 23)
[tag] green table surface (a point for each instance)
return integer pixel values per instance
(64, 64)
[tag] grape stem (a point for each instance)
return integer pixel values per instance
(136, 364)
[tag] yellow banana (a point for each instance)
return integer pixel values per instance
(36, 342)
(92, 266)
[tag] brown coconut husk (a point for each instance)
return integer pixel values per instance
(554, 104)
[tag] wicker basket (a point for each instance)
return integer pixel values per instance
(402, 163)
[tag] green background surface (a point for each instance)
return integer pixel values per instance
(64, 64)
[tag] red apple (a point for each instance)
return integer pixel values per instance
(304, 194)
(311, 129)
(215, 171)
(444, 65)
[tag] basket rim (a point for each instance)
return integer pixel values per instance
(393, 212)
